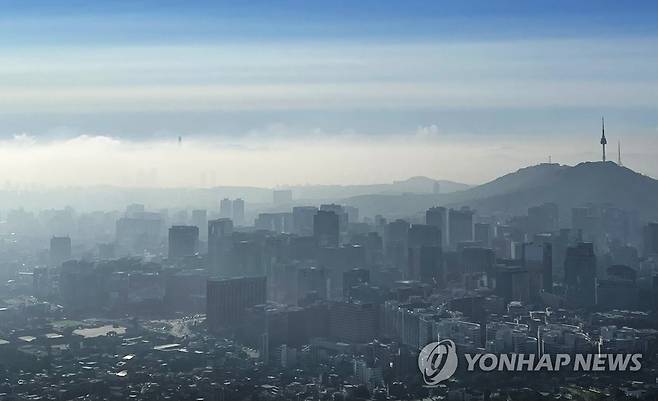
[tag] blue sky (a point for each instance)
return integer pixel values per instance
(239, 74)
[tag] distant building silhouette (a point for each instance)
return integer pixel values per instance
(60, 250)
(326, 228)
(220, 244)
(226, 208)
(183, 241)
(238, 212)
(460, 226)
(227, 299)
(302, 220)
(580, 275)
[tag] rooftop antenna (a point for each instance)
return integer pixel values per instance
(619, 153)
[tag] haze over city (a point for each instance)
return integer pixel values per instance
(328, 200)
(434, 86)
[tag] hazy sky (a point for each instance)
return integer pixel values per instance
(290, 92)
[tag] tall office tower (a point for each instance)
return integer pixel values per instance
(226, 208)
(478, 260)
(275, 222)
(282, 196)
(513, 283)
(220, 245)
(183, 241)
(424, 253)
(340, 212)
(352, 214)
(460, 226)
(651, 239)
(200, 220)
(353, 278)
(580, 275)
(60, 250)
(141, 231)
(396, 237)
(483, 234)
(424, 235)
(227, 299)
(302, 220)
(353, 322)
(238, 212)
(311, 283)
(425, 264)
(538, 259)
(543, 218)
(438, 217)
(326, 228)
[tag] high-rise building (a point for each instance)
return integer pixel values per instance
(200, 220)
(220, 245)
(460, 226)
(426, 264)
(60, 250)
(142, 231)
(183, 241)
(396, 237)
(302, 220)
(311, 283)
(238, 212)
(438, 217)
(651, 239)
(580, 275)
(275, 222)
(424, 253)
(538, 257)
(340, 211)
(354, 277)
(326, 228)
(483, 234)
(543, 218)
(227, 299)
(353, 322)
(424, 235)
(226, 208)
(513, 283)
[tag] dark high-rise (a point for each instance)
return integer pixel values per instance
(60, 250)
(424, 253)
(183, 241)
(538, 259)
(238, 212)
(438, 217)
(220, 244)
(460, 226)
(227, 299)
(200, 219)
(326, 228)
(651, 239)
(580, 275)
(302, 220)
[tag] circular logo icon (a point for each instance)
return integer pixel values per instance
(437, 361)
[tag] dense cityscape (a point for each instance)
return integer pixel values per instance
(321, 302)
(328, 200)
